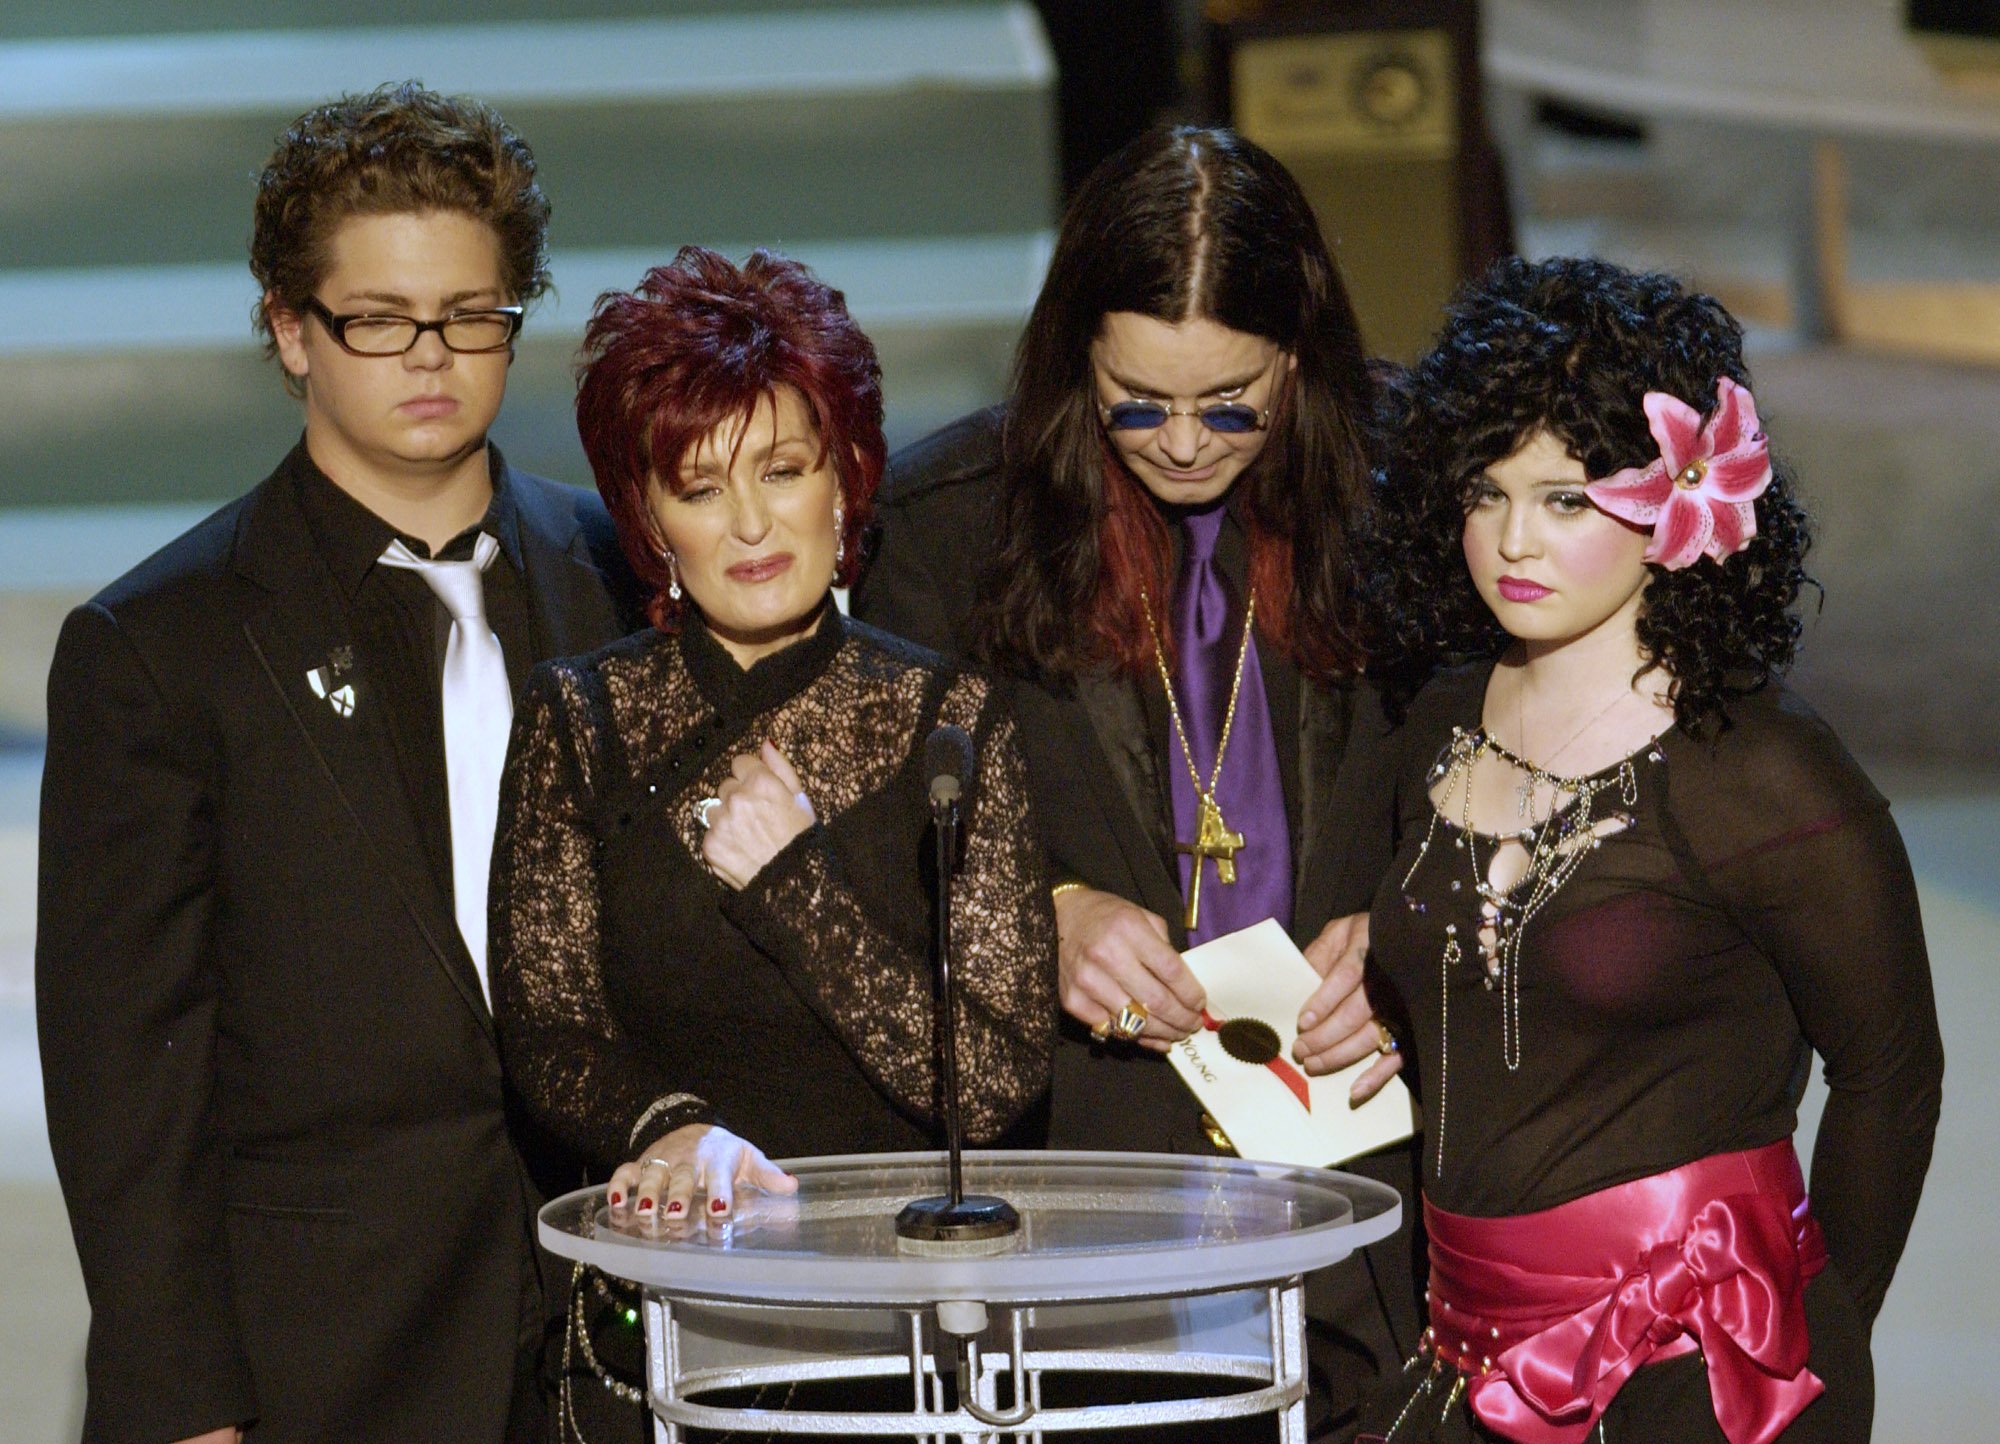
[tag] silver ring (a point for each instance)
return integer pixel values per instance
(704, 811)
(647, 1163)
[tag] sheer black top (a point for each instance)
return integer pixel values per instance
(1751, 904)
(801, 1007)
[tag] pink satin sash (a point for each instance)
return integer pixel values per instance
(1549, 1313)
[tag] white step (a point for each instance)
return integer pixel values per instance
(853, 50)
(908, 282)
(833, 122)
(151, 388)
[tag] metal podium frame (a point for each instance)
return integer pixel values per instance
(1075, 1268)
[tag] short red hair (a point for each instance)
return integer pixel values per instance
(699, 344)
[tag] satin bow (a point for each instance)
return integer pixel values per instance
(1731, 1283)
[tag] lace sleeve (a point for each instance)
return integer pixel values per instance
(572, 1063)
(1810, 864)
(872, 980)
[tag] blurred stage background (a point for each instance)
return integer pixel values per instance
(1830, 168)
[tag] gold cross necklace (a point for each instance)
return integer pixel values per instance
(1212, 838)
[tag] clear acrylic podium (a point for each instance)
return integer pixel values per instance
(1186, 1269)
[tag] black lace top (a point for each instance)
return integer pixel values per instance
(1748, 902)
(801, 1007)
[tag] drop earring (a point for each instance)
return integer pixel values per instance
(673, 576)
(839, 538)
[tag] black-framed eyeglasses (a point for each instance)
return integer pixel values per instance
(469, 333)
(1229, 418)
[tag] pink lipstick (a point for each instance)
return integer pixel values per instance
(760, 569)
(1519, 589)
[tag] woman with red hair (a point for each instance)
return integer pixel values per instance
(707, 900)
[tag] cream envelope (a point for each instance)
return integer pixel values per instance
(1240, 1063)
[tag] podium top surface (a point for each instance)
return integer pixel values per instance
(1093, 1226)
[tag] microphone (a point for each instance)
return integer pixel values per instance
(952, 1221)
(947, 765)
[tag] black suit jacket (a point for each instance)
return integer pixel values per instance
(274, 1092)
(1096, 750)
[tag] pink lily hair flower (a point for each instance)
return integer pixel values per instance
(1697, 496)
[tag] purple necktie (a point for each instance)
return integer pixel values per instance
(1208, 631)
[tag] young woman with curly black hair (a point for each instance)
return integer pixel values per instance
(1640, 884)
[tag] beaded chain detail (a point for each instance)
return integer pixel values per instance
(620, 1296)
(1556, 848)
(1447, 961)
(1430, 1351)
(576, 1335)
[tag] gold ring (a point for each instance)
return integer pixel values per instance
(1130, 1022)
(1101, 1029)
(1390, 1042)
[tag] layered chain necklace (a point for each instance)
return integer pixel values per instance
(1556, 848)
(1534, 775)
(1212, 837)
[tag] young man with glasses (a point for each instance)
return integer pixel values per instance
(274, 1091)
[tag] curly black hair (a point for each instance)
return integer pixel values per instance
(1570, 345)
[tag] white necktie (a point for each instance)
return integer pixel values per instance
(478, 712)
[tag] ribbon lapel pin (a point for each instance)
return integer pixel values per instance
(326, 682)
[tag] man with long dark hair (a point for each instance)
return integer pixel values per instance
(1150, 538)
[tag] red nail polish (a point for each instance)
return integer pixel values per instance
(616, 1199)
(718, 1205)
(674, 1207)
(645, 1205)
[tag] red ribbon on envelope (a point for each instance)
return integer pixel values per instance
(1286, 1073)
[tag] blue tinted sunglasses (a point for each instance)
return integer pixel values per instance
(1230, 418)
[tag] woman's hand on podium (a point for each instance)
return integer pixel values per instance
(1338, 1025)
(659, 1185)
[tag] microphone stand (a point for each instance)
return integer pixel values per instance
(944, 828)
(954, 1219)
(954, 1223)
